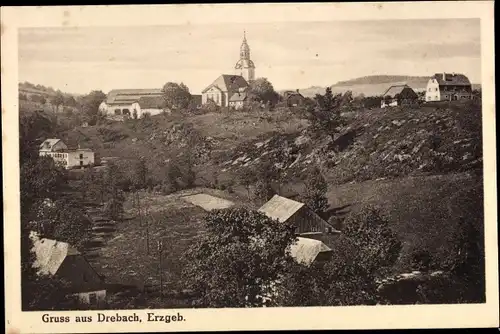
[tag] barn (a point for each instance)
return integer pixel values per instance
(298, 214)
(399, 95)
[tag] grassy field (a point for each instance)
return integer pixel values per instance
(124, 258)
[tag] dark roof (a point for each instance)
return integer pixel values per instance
(151, 102)
(228, 83)
(451, 79)
(238, 97)
(395, 90)
(126, 96)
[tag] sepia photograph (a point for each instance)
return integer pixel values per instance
(250, 164)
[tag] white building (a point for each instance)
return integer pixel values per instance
(68, 158)
(448, 87)
(133, 102)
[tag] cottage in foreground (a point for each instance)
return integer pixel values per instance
(68, 158)
(59, 260)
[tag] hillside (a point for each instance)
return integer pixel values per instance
(373, 85)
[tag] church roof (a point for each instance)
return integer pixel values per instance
(228, 83)
(129, 96)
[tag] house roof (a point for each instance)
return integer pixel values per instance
(50, 254)
(305, 250)
(228, 83)
(290, 93)
(238, 97)
(280, 208)
(49, 143)
(129, 96)
(451, 79)
(151, 102)
(394, 90)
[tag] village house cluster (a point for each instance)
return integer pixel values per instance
(440, 87)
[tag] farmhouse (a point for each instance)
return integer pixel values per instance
(60, 260)
(398, 95)
(68, 158)
(297, 214)
(448, 87)
(293, 98)
(128, 102)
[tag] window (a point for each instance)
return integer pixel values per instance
(435, 89)
(81, 155)
(92, 298)
(118, 112)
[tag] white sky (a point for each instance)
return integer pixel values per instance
(291, 55)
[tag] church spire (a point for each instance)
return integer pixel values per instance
(245, 67)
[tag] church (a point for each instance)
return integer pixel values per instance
(228, 90)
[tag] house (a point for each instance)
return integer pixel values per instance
(126, 102)
(293, 98)
(152, 105)
(68, 158)
(448, 87)
(296, 213)
(237, 100)
(306, 251)
(398, 95)
(60, 260)
(223, 88)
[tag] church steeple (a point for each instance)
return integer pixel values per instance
(245, 66)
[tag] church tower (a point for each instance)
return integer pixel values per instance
(245, 67)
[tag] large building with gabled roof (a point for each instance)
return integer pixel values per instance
(448, 87)
(131, 102)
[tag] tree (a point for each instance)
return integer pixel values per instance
(139, 180)
(315, 192)
(69, 101)
(90, 106)
(261, 90)
(57, 100)
(368, 234)
(176, 96)
(114, 206)
(239, 258)
(40, 179)
(325, 116)
(66, 220)
(247, 177)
